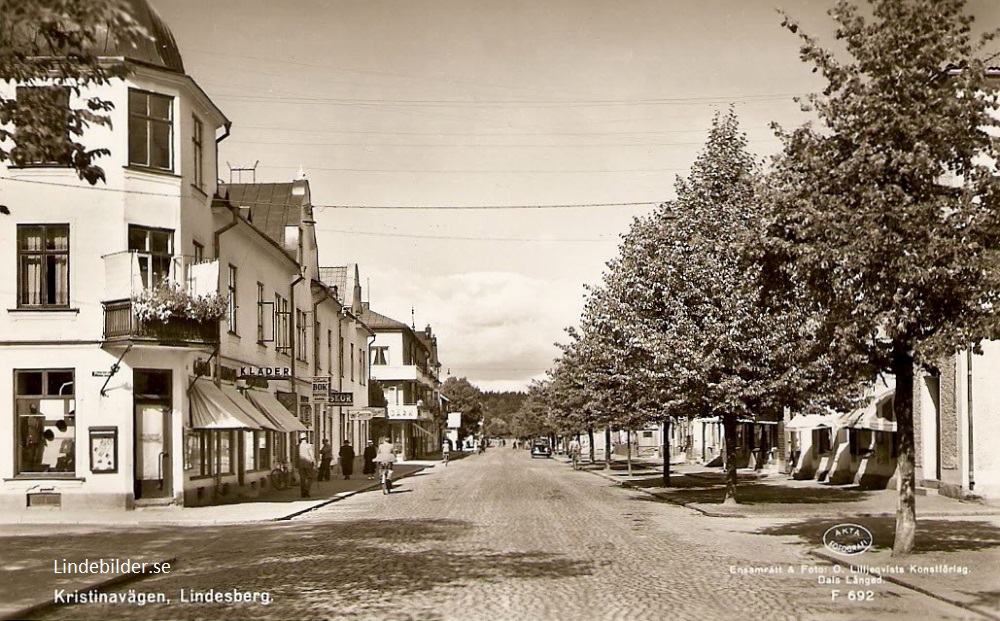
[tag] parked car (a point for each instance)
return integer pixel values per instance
(541, 449)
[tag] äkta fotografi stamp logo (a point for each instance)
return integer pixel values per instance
(848, 539)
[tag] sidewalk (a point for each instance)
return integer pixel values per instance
(957, 552)
(31, 541)
(270, 506)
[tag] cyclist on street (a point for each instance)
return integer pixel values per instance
(574, 452)
(445, 450)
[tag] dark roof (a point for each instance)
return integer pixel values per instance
(335, 276)
(157, 49)
(271, 206)
(378, 321)
(160, 50)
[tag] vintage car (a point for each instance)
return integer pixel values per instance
(541, 448)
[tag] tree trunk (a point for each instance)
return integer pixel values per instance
(628, 450)
(666, 453)
(906, 508)
(607, 448)
(729, 430)
(590, 436)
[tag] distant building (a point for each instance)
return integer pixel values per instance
(405, 362)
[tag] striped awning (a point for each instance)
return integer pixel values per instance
(212, 409)
(248, 408)
(273, 409)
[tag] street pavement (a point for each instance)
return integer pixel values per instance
(496, 536)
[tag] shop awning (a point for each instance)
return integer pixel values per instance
(247, 408)
(809, 421)
(212, 409)
(419, 427)
(270, 406)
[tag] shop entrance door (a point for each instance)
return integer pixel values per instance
(152, 424)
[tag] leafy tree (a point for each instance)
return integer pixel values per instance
(56, 42)
(886, 210)
(376, 394)
(465, 398)
(717, 343)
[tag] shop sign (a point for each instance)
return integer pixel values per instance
(275, 373)
(341, 398)
(454, 420)
(365, 414)
(402, 412)
(321, 389)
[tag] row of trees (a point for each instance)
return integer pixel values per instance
(868, 245)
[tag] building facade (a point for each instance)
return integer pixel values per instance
(98, 403)
(405, 363)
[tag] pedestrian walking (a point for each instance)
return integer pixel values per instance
(347, 459)
(325, 457)
(307, 466)
(369, 457)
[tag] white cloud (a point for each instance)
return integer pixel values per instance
(496, 328)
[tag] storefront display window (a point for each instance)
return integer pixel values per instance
(45, 408)
(226, 452)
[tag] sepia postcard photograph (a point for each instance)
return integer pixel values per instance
(702, 297)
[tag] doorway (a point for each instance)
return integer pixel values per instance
(153, 413)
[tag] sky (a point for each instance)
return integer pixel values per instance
(441, 106)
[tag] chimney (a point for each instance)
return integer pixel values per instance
(356, 305)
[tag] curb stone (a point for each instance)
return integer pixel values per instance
(336, 497)
(910, 586)
(45, 604)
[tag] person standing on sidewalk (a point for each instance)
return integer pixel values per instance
(347, 459)
(445, 450)
(325, 457)
(369, 455)
(307, 465)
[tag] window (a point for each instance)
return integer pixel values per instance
(281, 325)
(225, 452)
(260, 313)
(861, 441)
(199, 252)
(822, 441)
(317, 345)
(199, 154)
(341, 356)
(352, 362)
(380, 356)
(43, 265)
(231, 312)
(156, 253)
(150, 130)
(361, 366)
(302, 331)
(42, 127)
(45, 408)
(329, 351)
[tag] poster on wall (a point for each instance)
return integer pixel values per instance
(103, 450)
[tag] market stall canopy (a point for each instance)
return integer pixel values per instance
(810, 421)
(212, 409)
(275, 411)
(877, 414)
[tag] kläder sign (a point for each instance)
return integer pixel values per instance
(277, 373)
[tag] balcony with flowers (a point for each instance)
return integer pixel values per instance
(161, 300)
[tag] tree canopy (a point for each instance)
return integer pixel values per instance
(55, 43)
(886, 207)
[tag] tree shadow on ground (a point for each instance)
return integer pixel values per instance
(685, 489)
(932, 535)
(989, 600)
(321, 568)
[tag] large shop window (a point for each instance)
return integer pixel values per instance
(45, 408)
(150, 130)
(43, 266)
(42, 127)
(156, 252)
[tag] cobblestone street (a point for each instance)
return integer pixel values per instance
(501, 536)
